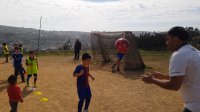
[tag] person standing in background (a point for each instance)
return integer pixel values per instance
(77, 48)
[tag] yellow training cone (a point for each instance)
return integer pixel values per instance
(38, 93)
(44, 99)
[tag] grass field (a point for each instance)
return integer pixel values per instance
(112, 92)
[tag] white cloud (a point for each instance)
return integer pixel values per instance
(88, 15)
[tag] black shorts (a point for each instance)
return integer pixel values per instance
(30, 75)
(6, 55)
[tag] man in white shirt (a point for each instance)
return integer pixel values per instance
(184, 70)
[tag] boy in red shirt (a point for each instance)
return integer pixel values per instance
(14, 93)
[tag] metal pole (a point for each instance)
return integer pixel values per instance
(39, 35)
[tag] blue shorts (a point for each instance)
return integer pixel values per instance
(84, 92)
(120, 56)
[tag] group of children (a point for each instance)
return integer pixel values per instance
(31, 63)
(81, 72)
(13, 90)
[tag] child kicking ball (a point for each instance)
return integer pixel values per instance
(122, 46)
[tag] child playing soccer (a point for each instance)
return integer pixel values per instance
(17, 58)
(6, 51)
(120, 56)
(83, 88)
(32, 68)
(21, 48)
(14, 93)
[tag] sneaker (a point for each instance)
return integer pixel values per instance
(27, 84)
(86, 111)
(113, 66)
(24, 74)
(34, 85)
(118, 69)
(113, 70)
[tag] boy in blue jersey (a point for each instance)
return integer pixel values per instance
(120, 56)
(17, 58)
(83, 88)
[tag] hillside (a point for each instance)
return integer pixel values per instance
(49, 39)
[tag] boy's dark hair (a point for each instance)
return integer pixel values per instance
(16, 45)
(16, 48)
(31, 52)
(4, 44)
(12, 80)
(86, 56)
(20, 45)
(179, 32)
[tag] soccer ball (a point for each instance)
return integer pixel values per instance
(122, 45)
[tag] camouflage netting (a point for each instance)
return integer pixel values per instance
(103, 49)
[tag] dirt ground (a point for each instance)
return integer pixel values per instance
(111, 92)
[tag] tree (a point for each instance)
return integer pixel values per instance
(67, 45)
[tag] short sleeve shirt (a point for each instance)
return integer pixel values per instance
(82, 81)
(186, 61)
(17, 59)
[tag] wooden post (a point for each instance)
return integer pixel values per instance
(133, 59)
(39, 35)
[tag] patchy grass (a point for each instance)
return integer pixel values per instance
(156, 60)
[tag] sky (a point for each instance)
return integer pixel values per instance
(100, 15)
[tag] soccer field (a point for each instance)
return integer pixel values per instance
(111, 92)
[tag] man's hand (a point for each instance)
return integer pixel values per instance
(159, 75)
(147, 78)
(166, 82)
